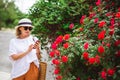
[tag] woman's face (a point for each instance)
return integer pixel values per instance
(25, 30)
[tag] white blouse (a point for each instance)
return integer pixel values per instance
(21, 66)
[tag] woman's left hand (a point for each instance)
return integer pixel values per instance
(37, 44)
(37, 47)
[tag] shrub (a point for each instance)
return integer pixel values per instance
(92, 51)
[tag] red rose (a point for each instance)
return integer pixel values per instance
(118, 15)
(98, 2)
(101, 35)
(103, 42)
(86, 45)
(54, 46)
(59, 77)
(91, 60)
(118, 53)
(71, 26)
(66, 37)
(108, 14)
(111, 27)
(108, 44)
(91, 15)
(82, 19)
(89, 78)
(112, 21)
(111, 72)
(101, 24)
(101, 49)
(111, 32)
(78, 78)
(52, 54)
(81, 29)
(56, 71)
(95, 20)
(97, 59)
(64, 59)
(55, 61)
(85, 55)
(103, 74)
(117, 42)
(57, 52)
(59, 39)
(66, 45)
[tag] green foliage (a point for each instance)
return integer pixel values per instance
(52, 17)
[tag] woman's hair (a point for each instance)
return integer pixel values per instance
(18, 32)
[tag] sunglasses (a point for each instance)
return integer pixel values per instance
(28, 28)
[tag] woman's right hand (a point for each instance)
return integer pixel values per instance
(30, 48)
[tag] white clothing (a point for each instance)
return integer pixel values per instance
(21, 66)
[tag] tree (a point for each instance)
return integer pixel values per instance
(52, 17)
(8, 13)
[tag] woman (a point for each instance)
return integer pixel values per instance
(24, 52)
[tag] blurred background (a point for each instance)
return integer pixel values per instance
(13, 10)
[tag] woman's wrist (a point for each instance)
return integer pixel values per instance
(26, 52)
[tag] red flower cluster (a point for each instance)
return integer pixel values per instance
(104, 32)
(91, 60)
(59, 40)
(105, 73)
(55, 53)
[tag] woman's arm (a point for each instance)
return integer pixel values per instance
(38, 53)
(20, 55)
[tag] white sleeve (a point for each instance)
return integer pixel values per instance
(12, 48)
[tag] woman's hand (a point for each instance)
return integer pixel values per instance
(37, 44)
(37, 47)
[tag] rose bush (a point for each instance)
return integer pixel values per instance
(92, 51)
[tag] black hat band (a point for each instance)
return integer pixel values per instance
(25, 23)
